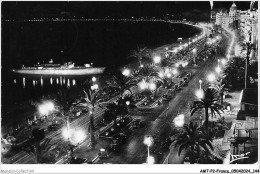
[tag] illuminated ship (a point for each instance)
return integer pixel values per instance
(58, 69)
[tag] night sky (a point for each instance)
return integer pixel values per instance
(97, 9)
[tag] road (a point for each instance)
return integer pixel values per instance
(135, 151)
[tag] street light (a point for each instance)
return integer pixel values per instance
(46, 108)
(223, 61)
(200, 81)
(157, 59)
(218, 70)
(152, 86)
(94, 87)
(126, 72)
(94, 79)
(211, 77)
(143, 85)
(148, 140)
(160, 74)
(127, 103)
(199, 94)
(174, 71)
(179, 120)
(228, 56)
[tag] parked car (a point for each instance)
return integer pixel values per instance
(167, 97)
(103, 153)
(53, 127)
(137, 124)
(115, 144)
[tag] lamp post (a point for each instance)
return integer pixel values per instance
(74, 137)
(148, 140)
(218, 70)
(194, 56)
(200, 82)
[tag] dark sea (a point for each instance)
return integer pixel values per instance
(101, 43)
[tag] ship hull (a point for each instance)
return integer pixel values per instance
(85, 71)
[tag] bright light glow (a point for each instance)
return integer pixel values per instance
(223, 61)
(174, 71)
(141, 65)
(184, 64)
(211, 77)
(74, 136)
(78, 136)
(66, 133)
(127, 103)
(194, 50)
(200, 81)
(199, 94)
(179, 120)
(167, 70)
(218, 37)
(95, 86)
(213, 40)
(152, 86)
(143, 85)
(166, 48)
(185, 44)
(169, 75)
(150, 160)
(175, 50)
(228, 56)
(46, 108)
(157, 59)
(94, 79)
(177, 64)
(92, 88)
(160, 74)
(218, 69)
(126, 72)
(148, 140)
(180, 47)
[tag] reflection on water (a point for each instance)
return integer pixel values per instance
(61, 80)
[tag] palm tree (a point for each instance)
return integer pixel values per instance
(192, 139)
(113, 111)
(121, 83)
(140, 53)
(209, 101)
(248, 47)
(234, 73)
(65, 99)
(147, 73)
(39, 147)
(42, 152)
(219, 86)
(93, 99)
